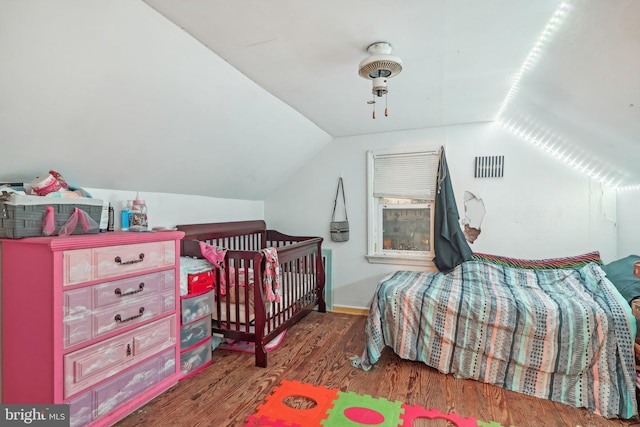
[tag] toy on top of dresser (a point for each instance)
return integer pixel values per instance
(45, 207)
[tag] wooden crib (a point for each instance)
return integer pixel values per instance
(244, 312)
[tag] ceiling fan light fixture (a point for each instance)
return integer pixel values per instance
(380, 63)
(379, 67)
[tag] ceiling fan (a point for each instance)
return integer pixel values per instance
(379, 67)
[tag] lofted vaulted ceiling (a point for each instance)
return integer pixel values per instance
(120, 94)
(561, 74)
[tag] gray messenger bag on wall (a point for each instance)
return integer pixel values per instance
(340, 229)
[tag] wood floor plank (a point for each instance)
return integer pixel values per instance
(317, 351)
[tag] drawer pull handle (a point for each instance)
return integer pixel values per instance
(118, 260)
(128, 349)
(119, 318)
(140, 289)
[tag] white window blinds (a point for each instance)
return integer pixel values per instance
(409, 175)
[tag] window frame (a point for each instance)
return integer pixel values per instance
(374, 221)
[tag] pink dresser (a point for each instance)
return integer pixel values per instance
(90, 320)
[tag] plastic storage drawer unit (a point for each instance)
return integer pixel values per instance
(196, 307)
(195, 332)
(196, 359)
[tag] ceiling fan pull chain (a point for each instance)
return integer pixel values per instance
(386, 110)
(374, 107)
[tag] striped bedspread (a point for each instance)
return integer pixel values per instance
(563, 335)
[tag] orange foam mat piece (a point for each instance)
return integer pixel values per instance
(276, 410)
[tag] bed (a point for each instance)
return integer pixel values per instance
(558, 332)
(266, 280)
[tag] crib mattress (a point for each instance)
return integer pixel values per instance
(297, 284)
(240, 307)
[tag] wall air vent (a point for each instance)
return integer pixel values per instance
(489, 167)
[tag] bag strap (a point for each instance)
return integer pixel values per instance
(344, 201)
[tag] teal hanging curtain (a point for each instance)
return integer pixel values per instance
(450, 246)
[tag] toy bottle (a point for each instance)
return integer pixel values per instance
(125, 216)
(138, 215)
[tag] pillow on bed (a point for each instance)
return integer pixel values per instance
(566, 262)
(620, 273)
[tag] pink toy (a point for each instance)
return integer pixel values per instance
(214, 255)
(49, 222)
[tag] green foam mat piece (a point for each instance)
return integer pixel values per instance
(351, 409)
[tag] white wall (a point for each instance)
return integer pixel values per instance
(628, 225)
(113, 95)
(539, 209)
(168, 210)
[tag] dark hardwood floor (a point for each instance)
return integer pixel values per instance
(317, 351)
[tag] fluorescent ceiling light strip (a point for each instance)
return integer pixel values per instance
(634, 187)
(560, 152)
(549, 142)
(536, 52)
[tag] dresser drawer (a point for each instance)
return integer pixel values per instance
(90, 324)
(81, 410)
(77, 266)
(113, 393)
(130, 384)
(195, 332)
(111, 319)
(194, 308)
(118, 260)
(83, 265)
(93, 311)
(90, 365)
(122, 290)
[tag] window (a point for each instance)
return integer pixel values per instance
(401, 192)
